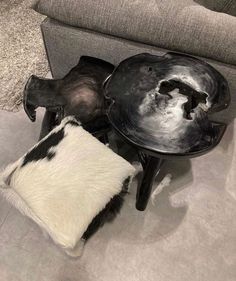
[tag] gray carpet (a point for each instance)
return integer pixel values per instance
(21, 50)
(188, 234)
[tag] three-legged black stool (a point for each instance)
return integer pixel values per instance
(162, 106)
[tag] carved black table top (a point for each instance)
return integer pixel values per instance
(163, 104)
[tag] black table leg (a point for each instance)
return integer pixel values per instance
(47, 124)
(103, 138)
(151, 166)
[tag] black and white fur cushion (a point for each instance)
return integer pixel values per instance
(68, 183)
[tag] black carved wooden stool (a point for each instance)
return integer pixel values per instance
(162, 106)
(79, 93)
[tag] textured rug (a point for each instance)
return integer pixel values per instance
(21, 50)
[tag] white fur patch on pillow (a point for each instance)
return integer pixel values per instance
(64, 181)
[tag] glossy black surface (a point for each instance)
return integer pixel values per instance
(162, 104)
(79, 93)
(150, 169)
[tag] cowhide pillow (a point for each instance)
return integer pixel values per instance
(65, 182)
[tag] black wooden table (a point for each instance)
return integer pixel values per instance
(162, 106)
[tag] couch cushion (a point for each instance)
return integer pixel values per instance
(177, 25)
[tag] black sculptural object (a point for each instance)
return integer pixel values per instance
(79, 93)
(161, 105)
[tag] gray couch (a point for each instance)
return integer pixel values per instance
(115, 29)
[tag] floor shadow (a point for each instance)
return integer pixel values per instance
(158, 221)
(228, 137)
